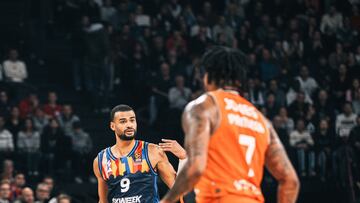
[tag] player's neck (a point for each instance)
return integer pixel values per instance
(123, 147)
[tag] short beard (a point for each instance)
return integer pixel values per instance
(127, 138)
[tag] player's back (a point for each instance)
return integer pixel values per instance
(236, 153)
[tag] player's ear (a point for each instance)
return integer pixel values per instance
(112, 126)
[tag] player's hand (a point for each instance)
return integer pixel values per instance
(164, 201)
(174, 147)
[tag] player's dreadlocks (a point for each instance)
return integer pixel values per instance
(225, 66)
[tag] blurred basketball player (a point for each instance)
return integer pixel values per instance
(228, 141)
(128, 170)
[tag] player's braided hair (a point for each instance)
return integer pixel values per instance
(225, 66)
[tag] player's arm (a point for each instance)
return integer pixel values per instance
(281, 168)
(102, 187)
(196, 125)
(164, 168)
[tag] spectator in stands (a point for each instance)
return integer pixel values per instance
(269, 70)
(52, 108)
(299, 107)
(52, 133)
(141, 19)
(160, 87)
(28, 105)
(67, 118)
(345, 121)
(331, 22)
(63, 198)
(28, 144)
(177, 42)
(27, 196)
(323, 145)
(293, 92)
(200, 40)
(5, 191)
(14, 123)
(49, 180)
(6, 139)
(347, 36)
(42, 193)
(97, 51)
(311, 119)
(294, 48)
(263, 29)
(354, 139)
(176, 65)
(340, 83)
(17, 185)
(338, 57)
(195, 78)
(356, 102)
(108, 12)
(40, 120)
(301, 141)
(7, 171)
(14, 69)
(271, 107)
(279, 94)
(15, 73)
(350, 93)
(324, 107)
(286, 122)
(223, 28)
(256, 93)
(307, 83)
(315, 48)
(81, 147)
(5, 104)
(179, 95)
(281, 131)
(208, 14)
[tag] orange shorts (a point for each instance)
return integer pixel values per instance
(227, 199)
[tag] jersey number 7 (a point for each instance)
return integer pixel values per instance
(249, 142)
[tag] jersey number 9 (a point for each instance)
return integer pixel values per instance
(125, 184)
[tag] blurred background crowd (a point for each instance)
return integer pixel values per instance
(67, 62)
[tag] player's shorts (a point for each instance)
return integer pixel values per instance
(227, 199)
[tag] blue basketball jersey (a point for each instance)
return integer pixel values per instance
(130, 179)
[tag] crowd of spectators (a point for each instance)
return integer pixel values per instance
(304, 72)
(39, 141)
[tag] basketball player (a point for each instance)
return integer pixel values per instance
(128, 170)
(228, 141)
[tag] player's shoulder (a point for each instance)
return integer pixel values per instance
(154, 148)
(204, 101)
(155, 152)
(101, 152)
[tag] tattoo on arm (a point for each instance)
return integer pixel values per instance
(196, 125)
(281, 168)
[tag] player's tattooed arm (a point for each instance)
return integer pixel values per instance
(281, 168)
(102, 187)
(197, 127)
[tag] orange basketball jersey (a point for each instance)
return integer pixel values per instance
(236, 152)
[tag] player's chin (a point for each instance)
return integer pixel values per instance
(127, 137)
